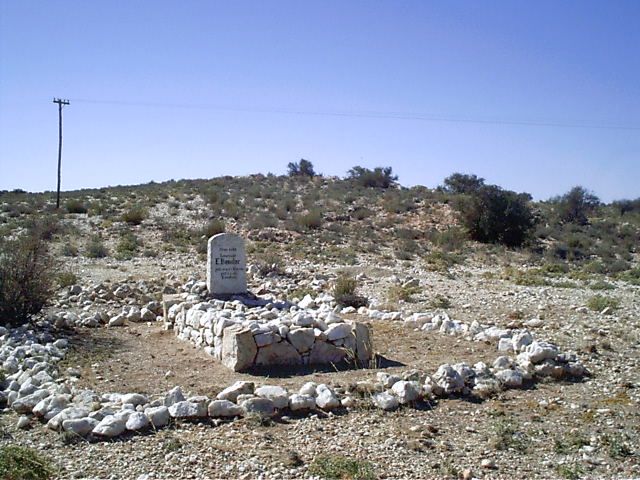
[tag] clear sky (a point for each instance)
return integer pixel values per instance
(213, 88)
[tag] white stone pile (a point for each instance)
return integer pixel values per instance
(99, 305)
(243, 336)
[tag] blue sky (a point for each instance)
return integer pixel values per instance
(208, 89)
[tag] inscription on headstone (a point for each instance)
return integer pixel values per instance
(226, 265)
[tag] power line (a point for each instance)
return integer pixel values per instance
(426, 117)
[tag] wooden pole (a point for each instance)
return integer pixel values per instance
(60, 104)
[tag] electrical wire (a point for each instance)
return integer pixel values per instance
(362, 114)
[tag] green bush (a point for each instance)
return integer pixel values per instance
(135, 215)
(213, 227)
(95, 248)
(338, 467)
(344, 293)
(75, 206)
(494, 215)
(460, 184)
(23, 463)
(598, 303)
(304, 168)
(575, 205)
(311, 220)
(379, 177)
(127, 246)
(66, 279)
(26, 278)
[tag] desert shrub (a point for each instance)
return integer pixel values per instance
(26, 278)
(213, 227)
(269, 263)
(602, 285)
(402, 293)
(598, 303)
(379, 177)
(23, 463)
(95, 248)
(440, 261)
(494, 215)
(69, 250)
(75, 206)
(303, 168)
(360, 213)
(66, 279)
(631, 276)
(440, 301)
(460, 184)
(134, 215)
(344, 292)
(575, 205)
(451, 239)
(127, 246)
(311, 220)
(338, 467)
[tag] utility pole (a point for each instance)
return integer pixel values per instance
(60, 103)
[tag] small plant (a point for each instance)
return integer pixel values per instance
(507, 437)
(269, 263)
(135, 215)
(402, 293)
(23, 463)
(26, 278)
(598, 303)
(127, 246)
(602, 285)
(338, 467)
(75, 206)
(440, 261)
(617, 448)
(440, 301)
(344, 292)
(95, 248)
(572, 471)
(66, 279)
(213, 227)
(171, 444)
(69, 250)
(311, 220)
(569, 444)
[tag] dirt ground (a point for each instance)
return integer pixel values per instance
(147, 359)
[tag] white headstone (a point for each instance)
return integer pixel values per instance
(226, 265)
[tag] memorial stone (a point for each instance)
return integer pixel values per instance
(226, 265)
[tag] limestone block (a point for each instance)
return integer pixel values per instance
(238, 348)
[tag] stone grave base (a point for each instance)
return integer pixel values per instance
(243, 337)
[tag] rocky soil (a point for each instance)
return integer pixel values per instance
(551, 425)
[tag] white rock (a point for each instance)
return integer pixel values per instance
(309, 388)
(259, 406)
(326, 398)
(387, 380)
(307, 302)
(186, 409)
(110, 426)
(385, 401)
(174, 395)
(134, 398)
(238, 388)
(337, 331)
(406, 391)
(510, 378)
(117, 321)
(224, 408)
(299, 402)
(158, 416)
(137, 421)
(276, 394)
(448, 379)
(80, 426)
(302, 339)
